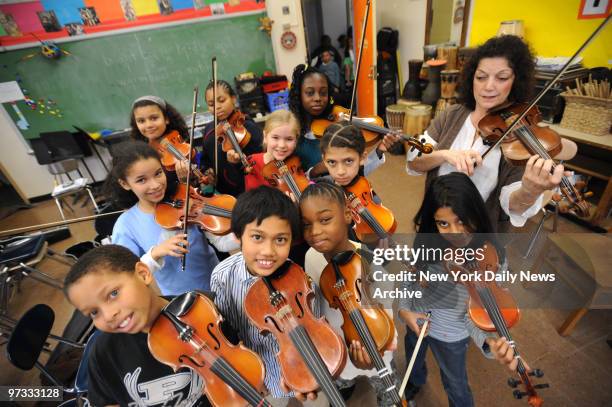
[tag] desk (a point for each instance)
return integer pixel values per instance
(594, 159)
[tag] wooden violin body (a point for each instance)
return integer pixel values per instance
(226, 134)
(373, 221)
(368, 324)
(287, 175)
(279, 304)
(212, 214)
(482, 291)
(493, 309)
(173, 150)
(187, 334)
(525, 140)
(347, 297)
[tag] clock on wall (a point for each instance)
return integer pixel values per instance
(288, 40)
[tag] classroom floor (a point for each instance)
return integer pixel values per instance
(577, 367)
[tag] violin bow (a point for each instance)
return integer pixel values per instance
(193, 121)
(415, 353)
(363, 33)
(10, 232)
(214, 78)
(548, 85)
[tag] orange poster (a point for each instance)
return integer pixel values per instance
(106, 10)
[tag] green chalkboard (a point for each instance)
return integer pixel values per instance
(94, 87)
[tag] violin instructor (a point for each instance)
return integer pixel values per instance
(500, 71)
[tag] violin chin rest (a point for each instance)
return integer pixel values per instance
(568, 150)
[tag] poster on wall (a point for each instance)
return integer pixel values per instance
(594, 8)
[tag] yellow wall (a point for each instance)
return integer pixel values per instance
(552, 27)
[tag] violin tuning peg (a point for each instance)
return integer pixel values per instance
(512, 382)
(541, 386)
(518, 394)
(536, 373)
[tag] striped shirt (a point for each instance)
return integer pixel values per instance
(230, 282)
(447, 302)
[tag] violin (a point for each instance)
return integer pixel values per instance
(286, 175)
(188, 333)
(212, 214)
(369, 324)
(310, 354)
(372, 126)
(173, 149)
(373, 221)
(527, 139)
(493, 309)
(226, 135)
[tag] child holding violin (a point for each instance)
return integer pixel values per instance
(325, 221)
(111, 286)
(155, 121)
(266, 221)
(452, 216)
(310, 99)
(138, 182)
(501, 71)
(229, 165)
(280, 140)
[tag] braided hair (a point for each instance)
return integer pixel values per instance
(300, 73)
(223, 85)
(327, 189)
(343, 135)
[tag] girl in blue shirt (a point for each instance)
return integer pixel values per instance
(138, 182)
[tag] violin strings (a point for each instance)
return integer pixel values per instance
(226, 372)
(314, 362)
(366, 337)
(216, 211)
(531, 141)
(288, 179)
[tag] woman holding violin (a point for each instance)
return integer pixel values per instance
(501, 72)
(452, 217)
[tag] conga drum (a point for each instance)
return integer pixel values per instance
(449, 53)
(417, 119)
(395, 116)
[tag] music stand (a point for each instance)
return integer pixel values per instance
(63, 146)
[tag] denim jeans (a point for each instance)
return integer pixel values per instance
(451, 358)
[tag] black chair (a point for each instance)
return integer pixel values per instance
(29, 338)
(60, 152)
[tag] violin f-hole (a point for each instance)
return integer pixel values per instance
(298, 302)
(210, 328)
(269, 319)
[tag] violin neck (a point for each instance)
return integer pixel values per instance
(384, 373)
(362, 124)
(288, 178)
(229, 375)
(302, 342)
(367, 216)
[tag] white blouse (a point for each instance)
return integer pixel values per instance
(485, 175)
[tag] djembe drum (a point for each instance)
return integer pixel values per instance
(417, 119)
(395, 116)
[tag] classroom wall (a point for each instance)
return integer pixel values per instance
(33, 179)
(551, 27)
(407, 16)
(285, 59)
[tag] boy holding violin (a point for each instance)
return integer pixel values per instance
(111, 286)
(266, 221)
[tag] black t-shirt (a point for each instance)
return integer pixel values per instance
(230, 179)
(122, 371)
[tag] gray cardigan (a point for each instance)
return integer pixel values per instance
(444, 129)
